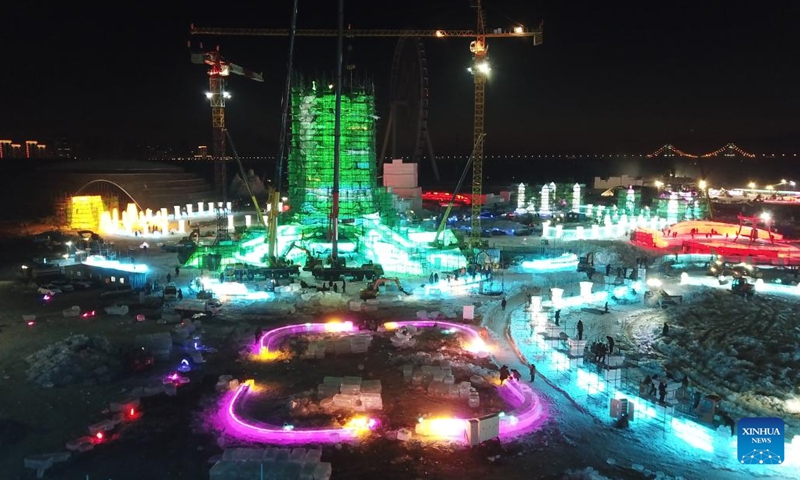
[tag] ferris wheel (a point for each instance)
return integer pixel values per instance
(407, 127)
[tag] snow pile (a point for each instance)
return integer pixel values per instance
(585, 474)
(608, 251)
(75, 359)
(743, 350)
(323, 299)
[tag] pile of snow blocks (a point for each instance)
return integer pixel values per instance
(347, 345)
(352, 393)
(277, 463)
(158, 343)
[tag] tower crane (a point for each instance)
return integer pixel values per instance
(479, 69)
(218, 70)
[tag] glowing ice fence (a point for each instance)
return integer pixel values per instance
(526, 414)
(690, 433)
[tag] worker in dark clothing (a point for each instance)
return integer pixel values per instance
(177, 271)
(558, 316)
(696, 399)
(504, 374)
(515, 374)
(180, 294)
(605, 309)
(665, 330)
(728, 421)
(610, 344)
(503, 303)
(532, 369)
(344, 287)
(169, 278)
(662, 391)
(608, 270)
(580, 330)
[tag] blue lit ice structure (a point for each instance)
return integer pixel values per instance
(567, 261)
(185, 366)
(102, 262)
(686, 438)
(759, 285)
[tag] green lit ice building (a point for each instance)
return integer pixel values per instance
(368, 222)
(310, 165)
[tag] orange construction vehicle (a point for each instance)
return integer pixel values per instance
(372, 288)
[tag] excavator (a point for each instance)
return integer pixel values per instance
(277, 266)
(312, 261)
(373, 287)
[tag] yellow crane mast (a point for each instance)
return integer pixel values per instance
(479, 69)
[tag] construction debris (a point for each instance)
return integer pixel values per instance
(78, 358)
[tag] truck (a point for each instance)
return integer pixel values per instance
(193, 306)
(170, 292)
(369, 271)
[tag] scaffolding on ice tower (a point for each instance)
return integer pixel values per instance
(310, 166)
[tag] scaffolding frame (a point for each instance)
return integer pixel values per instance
(310, 165)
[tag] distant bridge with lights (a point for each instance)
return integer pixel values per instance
(667, 150)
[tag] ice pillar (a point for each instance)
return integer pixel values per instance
(586, 291)
(557, 296)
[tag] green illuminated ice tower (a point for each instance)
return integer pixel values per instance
(310, 167)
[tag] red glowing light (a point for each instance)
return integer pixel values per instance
(99, 436)
(31, 323)
(132, 413)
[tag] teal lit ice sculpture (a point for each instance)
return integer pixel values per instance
(521, 197)
(672, 208)
(576, 198)
(544, 209)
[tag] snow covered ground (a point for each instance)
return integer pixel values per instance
(744, 350)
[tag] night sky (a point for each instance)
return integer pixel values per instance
(610, 77)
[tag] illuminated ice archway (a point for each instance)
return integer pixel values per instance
(102, 181)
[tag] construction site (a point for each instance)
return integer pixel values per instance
(312, 331)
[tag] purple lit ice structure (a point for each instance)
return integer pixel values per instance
(278, 434)
(266, 433)
(273, 338)
(527, 412)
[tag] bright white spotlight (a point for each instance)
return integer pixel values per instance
(766, 216)
(519, 29)
(484, 67)
(226, 94)
(209, 95)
